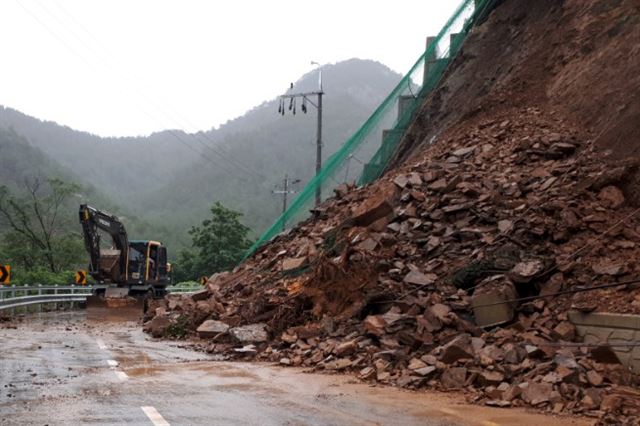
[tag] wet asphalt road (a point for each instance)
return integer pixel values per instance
(60, 369)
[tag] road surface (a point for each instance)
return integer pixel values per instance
(61, 369)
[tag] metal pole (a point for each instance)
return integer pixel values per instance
(319, 148)
(284, 199)
(284, 193)
(13, 295)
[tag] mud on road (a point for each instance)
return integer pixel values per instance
(60, 369)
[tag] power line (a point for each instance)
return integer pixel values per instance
(53, 34)
(225, 157)
(192, 126)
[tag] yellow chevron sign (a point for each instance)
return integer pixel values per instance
(5, 274)
(81, 277)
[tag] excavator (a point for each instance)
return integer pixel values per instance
(127, 274)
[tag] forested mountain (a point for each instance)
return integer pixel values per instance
(270, 145)
(39, 230)
(19, 161)
(22, 164)
(170, 179)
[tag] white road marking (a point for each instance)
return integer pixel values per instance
(155, 417)
(101, 344)
(112, 363)
(121, 375)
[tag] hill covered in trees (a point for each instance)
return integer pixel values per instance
(166, 182)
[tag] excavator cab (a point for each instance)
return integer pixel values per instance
(147, 263)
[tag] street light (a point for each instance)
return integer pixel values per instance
(319, 74)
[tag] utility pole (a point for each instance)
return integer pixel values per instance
(285, 191)
(305, 99)
(319, 147)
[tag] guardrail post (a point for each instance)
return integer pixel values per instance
(13, 295)
(56, 304)
(73, 291)
(40, 294)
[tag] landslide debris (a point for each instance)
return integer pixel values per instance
(397, 282)
(382, 284)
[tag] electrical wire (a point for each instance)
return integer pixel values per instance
(189, 124)
(224, 157)
(559, 293)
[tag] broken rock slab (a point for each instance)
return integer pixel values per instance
(462, 152)
(374, 208)
(211, 328)
(200, 295)
(457, 349)
(291, 264)
(418, 278)
(537, 393)
(524, 272)
(338, 364)
(158, 325)
(493, 306)
(252, 333)
(374, 324)
(454, 378)
(606, 266)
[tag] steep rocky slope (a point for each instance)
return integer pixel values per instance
(577, 58)
(516, 201)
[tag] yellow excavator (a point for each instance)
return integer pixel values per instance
(127, 273)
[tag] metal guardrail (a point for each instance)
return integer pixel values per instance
(12, 297)
(36, 300)
(184, 290)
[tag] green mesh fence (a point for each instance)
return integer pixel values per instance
(365, 155)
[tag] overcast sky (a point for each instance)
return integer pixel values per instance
(131, 67)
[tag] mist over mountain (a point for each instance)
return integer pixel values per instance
(169, 179)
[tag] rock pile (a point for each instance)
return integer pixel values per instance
(404, 281)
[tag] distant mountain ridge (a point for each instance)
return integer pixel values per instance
(162, 180)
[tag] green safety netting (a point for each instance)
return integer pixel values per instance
(365, 155)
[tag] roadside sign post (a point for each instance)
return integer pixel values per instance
(81, 277)
(5, 274)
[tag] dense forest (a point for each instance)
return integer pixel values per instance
(163, 185)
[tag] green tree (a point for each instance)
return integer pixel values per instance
(38, 225)
(217, 245)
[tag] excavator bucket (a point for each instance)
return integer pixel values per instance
(115, 305)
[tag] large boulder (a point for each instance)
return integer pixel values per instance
(158, 325)
(252, 333)
(212, 328)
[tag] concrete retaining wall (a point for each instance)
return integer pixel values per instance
(612, 329)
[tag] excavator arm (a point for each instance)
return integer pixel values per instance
(105, 265)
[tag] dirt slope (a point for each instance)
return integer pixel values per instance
(516, 198)
(577, 58)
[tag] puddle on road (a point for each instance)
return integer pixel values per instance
(147, 370)
(141, 365)
(136, 360)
